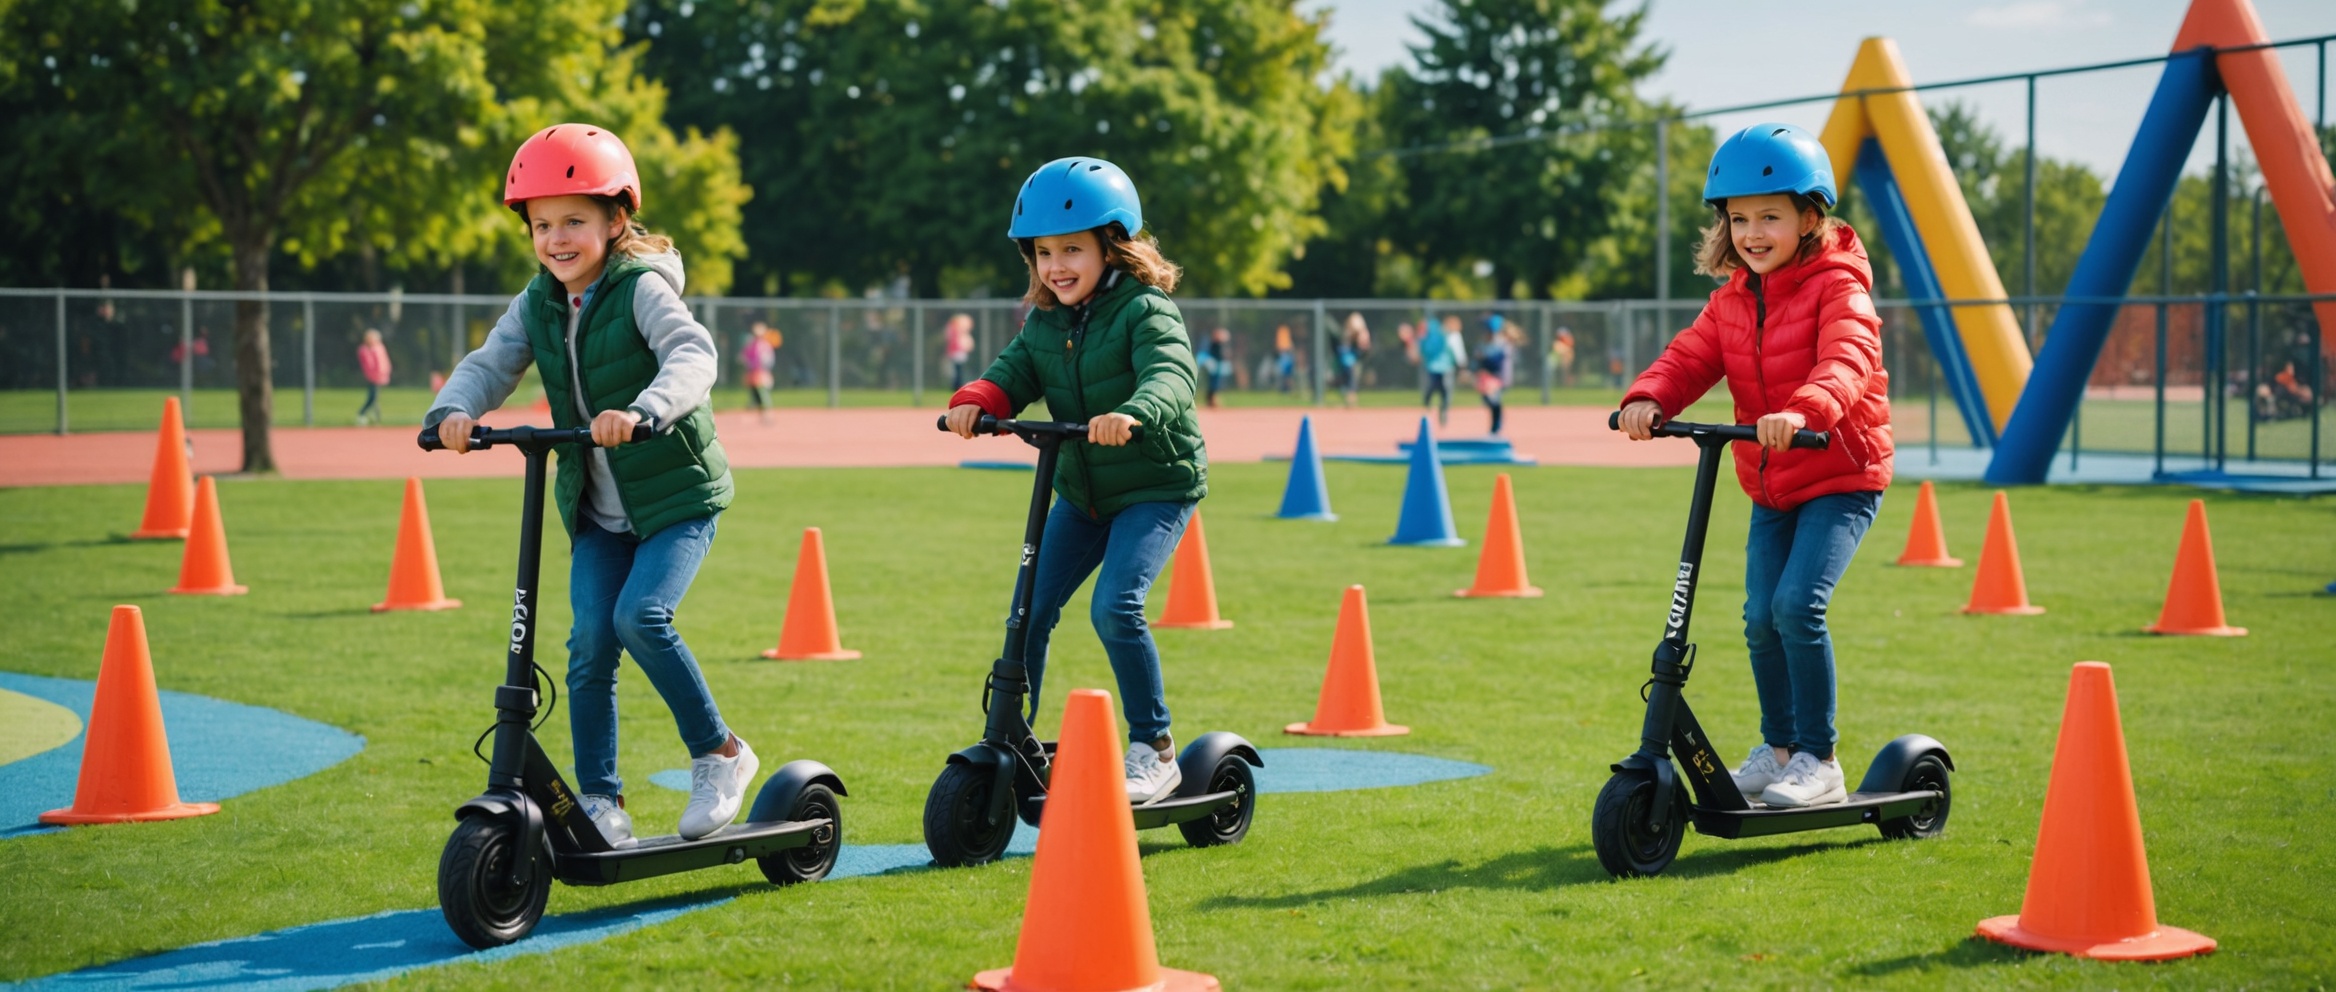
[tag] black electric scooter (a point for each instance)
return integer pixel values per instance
(969, 814)
(529, 828)
(1644, 810)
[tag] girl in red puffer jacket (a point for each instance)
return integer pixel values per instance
(1794, 332)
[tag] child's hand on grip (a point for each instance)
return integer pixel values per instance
(454, 433)
(962, 419)
(1111, 429)
(1639, 419)
(614, 427)
(1776, 429)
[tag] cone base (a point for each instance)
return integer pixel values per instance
(1171, 980)
(2163, 944)
(179, 534)
(775, 654)
(1382, 730)
(2009, 611)
(213, 591)
(2195, 631)
(1217, 624)
(1527, 592)
(175, 811)
(1929, 562)
(1429, 542)
(1324, 517)
(434, 604)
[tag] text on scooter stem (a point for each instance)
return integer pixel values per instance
(1679, 592)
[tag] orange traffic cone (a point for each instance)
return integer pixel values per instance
(203, 570)
(1349, 705)
(170, 490)
(125, 756)
(1500, 567)
(413, 572)
(809, 633)
(1999, 587)
(2194, 600)
(1087, 927)
(1192, 588)
(2088, 888)
(1926, 541)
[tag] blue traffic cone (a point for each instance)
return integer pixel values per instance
(1427, 510)
(1306, 497)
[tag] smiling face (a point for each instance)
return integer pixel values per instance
(1767, 230)
(571, 237)
(1069, 264)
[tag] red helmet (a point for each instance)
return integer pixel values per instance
(572, 159)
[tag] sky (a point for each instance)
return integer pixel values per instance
(1719, 56)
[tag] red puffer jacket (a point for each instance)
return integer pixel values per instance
(1803, 339)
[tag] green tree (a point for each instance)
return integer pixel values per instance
(886, 137)
(298, 125)
(1621, 265)
(1507, 93)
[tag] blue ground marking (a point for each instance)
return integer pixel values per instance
(218, 750)
(372, 948)
(344, 952)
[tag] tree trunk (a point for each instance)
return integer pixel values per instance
(1504, 279)
(254, 379)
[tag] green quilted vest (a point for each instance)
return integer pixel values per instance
(679, 475)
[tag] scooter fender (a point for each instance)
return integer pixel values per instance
(783, 787)
(513, 807)
(1666, 780)
(1888, 772)
(1198, 761)
(1001, 767)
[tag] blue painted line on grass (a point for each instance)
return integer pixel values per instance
(384, 945)
(218, 750)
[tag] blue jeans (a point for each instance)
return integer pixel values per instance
(1132, 548)
(1793, 559)
(624, 591)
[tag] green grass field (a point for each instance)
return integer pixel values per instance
(1480, 883)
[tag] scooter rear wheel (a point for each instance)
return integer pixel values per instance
(481, 902)
(1229, 824)
(812, 861)
(957, 827)
(1628, 845)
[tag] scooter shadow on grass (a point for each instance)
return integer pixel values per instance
(1970, 952)
(1540, 870)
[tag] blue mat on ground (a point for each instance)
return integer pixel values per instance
(218, 750)
(998, 466)
(384, 945)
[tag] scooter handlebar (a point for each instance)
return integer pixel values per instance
(482, 436)
(1032, 428)
(1725, 432)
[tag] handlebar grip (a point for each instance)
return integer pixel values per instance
(1816, 440)
(482, 436)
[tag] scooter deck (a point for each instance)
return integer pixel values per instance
(1761, 821)
(1177, 809)
(665, 855)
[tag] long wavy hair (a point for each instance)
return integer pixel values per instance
(1717, 256)
(1138, 256)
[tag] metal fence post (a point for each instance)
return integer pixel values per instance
(916, 355)
(1321, 338)
(307, 360)
(186, 357)
(2159, 454)
(1662, 210)
(62, 373)
(1548, 313)
(835, 355)
(2028, 227)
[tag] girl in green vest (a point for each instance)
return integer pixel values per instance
(614, 346)
(1105, 346)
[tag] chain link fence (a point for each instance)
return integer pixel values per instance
(2196, 379)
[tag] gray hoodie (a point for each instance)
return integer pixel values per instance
(686, 367)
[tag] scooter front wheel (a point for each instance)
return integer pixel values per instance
(483, 902)
(957, 818)
(812, 861)
(1621, 825)
(1229, 823)
(1929, 773)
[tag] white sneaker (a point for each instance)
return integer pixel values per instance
(1807, 782)
(616, 825)
(1149, 776)
(717, 787)
(1758, 770)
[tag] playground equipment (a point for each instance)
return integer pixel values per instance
(528, 828)
(809, 632)
(1349, 704)
(1087, 924)
(1641, 814)
(2088, 887)
(969, 814)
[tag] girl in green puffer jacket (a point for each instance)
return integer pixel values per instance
(1105, 346)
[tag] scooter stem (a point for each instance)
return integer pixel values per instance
(515, 699)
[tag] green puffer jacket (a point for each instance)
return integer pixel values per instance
(1133, 357)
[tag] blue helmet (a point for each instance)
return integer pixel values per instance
(1770, 158)
(1069, 195)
